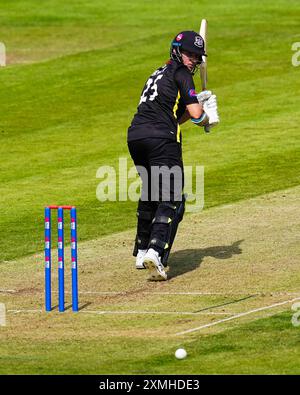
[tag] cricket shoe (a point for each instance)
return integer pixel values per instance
(152, 262)
(139, 264)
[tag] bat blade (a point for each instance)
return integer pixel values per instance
(203, 66)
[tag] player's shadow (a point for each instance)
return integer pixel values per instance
(184, 261)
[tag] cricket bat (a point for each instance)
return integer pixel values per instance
(203, 65)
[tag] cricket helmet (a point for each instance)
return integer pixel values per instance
(187, 41)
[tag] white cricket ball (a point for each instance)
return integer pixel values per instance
(180, 353)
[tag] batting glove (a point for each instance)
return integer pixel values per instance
(211, 108)
(203, 96)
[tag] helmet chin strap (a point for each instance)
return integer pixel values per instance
(178, 56)
(195, 68)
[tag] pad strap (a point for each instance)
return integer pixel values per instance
(146, 215)
(140, 244)
(162, 220)
(169, 205)
(158, 243)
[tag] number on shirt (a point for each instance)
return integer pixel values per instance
(150, 91)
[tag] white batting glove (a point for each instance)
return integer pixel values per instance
(211, 108)
(203, 96)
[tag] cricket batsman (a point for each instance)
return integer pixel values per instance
(168, 99)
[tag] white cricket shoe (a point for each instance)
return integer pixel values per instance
(139, 259)
(153, 263)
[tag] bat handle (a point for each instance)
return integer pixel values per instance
(207, 128)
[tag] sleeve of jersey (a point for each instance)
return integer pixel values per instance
(186, 86)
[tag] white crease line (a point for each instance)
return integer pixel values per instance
(149, 292)
(269, 293)
(100, 312)
(103, 292)
(152, 312)
(8, 291)
(24, 311)
(228, 294)
(236, 316)
(199, 293)
(156, 293)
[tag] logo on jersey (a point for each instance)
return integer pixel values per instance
(192, 93)
(198, 42)
(179, 37)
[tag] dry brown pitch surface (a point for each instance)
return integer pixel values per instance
(227, 260)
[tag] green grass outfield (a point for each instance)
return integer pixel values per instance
(75, 72)
(248, 349)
